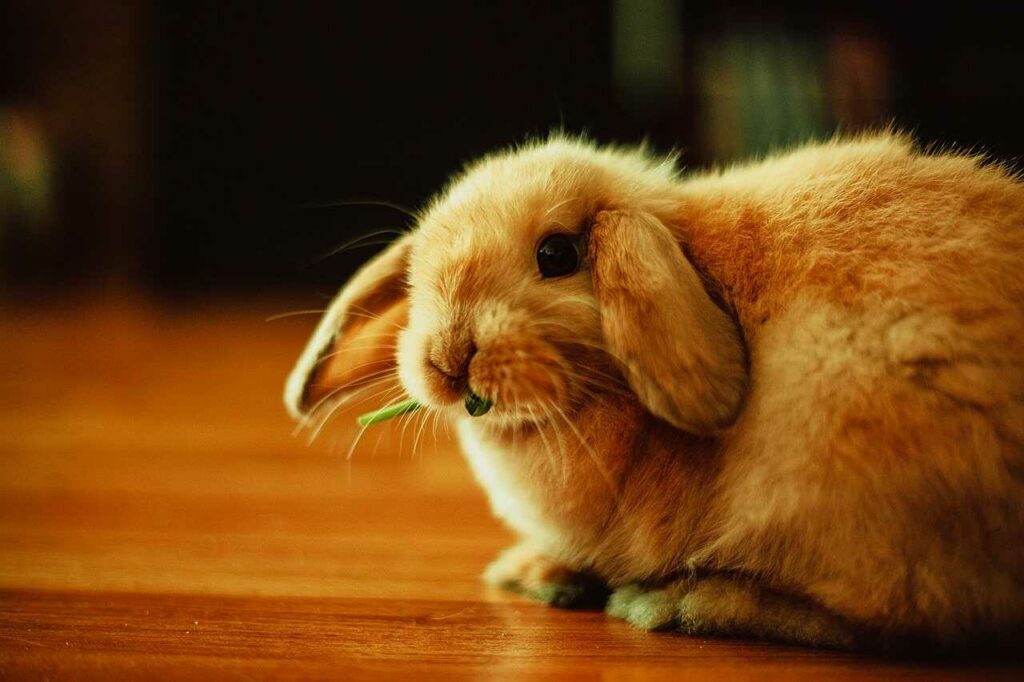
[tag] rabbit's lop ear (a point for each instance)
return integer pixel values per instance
(354, 344)
(681, 353)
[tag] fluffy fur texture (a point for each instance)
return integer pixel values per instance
(784, 400)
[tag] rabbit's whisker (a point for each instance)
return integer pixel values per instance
(295, 313)
(367, 202)
(357, 242)
(362, 430)
(544, 440)
(357, 393)
(613, 488)
(423, 417)
(314, 411)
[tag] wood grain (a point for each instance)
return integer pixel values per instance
(158, 519)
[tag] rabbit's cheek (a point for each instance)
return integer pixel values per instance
(420, 379)
(520, 377)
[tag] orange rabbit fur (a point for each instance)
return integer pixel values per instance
(783, 400)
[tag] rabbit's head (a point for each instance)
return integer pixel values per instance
(541, 278)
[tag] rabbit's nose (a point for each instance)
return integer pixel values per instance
(451, 356)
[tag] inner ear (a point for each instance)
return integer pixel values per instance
(354, 344)
(362, 355)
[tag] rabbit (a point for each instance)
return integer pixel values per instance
(782, 400)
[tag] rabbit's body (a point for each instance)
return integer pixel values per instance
(870, 485)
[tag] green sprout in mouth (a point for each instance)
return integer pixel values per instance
(475, 406)
(386, 413)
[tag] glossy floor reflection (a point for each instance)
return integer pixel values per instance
(159, 519)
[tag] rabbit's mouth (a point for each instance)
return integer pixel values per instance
(524, 379)
(519, 379)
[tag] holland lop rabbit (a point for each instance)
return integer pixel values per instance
(783, 400)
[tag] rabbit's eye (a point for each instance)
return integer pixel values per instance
(558, 255)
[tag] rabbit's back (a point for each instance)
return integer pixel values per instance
(878, 465)
(855, 222)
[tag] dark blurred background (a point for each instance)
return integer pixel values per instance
(188, 149)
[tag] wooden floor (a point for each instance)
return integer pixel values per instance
(159, 520)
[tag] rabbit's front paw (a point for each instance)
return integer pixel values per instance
(523, 570)
(719, 605)
(648, 608)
